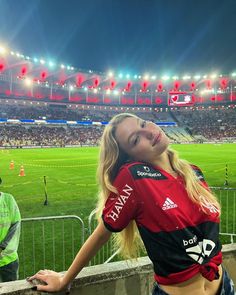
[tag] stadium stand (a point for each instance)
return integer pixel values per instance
(212, 123)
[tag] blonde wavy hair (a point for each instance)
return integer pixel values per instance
(112, 157)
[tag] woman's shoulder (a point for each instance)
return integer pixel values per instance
(195, 167)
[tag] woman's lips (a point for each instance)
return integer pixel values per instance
(157, 139)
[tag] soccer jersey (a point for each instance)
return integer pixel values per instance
(180, 238)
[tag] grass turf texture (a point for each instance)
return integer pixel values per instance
(72, 189)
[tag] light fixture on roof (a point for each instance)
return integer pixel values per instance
(197, 77)
(186, 77)
(213, 76)
(51, 64)
(165, 77)
(3, 50)
(28, 82)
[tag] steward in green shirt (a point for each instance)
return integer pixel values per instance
(9, 237)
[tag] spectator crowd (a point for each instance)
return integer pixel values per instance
(211, 124)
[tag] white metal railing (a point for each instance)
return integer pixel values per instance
(227, 199)
(49, 242)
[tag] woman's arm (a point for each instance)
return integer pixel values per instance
(56, 282)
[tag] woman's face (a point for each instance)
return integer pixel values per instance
(141, 140)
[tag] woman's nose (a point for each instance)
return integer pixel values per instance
(149, 134)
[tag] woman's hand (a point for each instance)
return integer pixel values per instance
(51, 281)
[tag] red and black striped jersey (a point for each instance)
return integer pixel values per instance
(180, 237)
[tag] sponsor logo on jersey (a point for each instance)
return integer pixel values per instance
(140, 171)
(119, 204)
(168, 204)
(146, 168)
(200, 250)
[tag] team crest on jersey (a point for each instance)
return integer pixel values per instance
(140, 171)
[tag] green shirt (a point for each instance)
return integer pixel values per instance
(9, 229)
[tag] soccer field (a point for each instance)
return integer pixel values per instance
(71, 175)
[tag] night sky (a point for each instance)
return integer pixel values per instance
(135, 36)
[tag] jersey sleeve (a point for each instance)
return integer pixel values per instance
(122, 207)
(200, 176)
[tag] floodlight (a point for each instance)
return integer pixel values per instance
(2, 50)
(165, 77)
(51, 64)
(186, 77)
(213, 76)
(28, 82)
(197, 77)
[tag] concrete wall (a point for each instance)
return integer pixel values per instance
(117, 278)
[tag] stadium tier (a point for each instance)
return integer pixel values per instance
(25, 124)
(36, 79)
(42, 104)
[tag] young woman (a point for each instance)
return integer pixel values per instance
(146, 188)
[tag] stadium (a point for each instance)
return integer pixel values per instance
(51, 120)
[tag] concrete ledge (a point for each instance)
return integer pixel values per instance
(116, 278)
(229, 260)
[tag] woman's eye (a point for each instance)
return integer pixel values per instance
(143, 124)
(136, 140)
